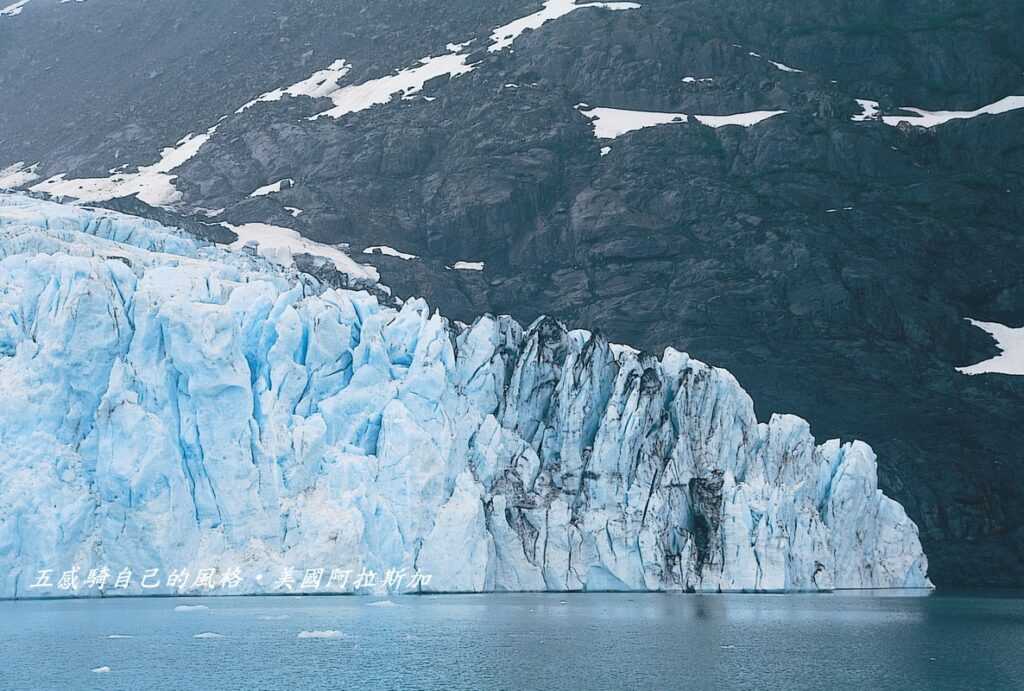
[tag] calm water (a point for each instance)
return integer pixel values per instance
(524, 641)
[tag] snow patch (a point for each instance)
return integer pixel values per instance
(505, 36)
(272, 188)
(321, 84)
(784, 68)
(294, 211)
(279, 245)
(407, 82)
(152, 184)
(868, 110)
(467, 266)
(605, 150)
(928, 118)
(610, 123)
(389, 251)
(741, 119)
(1010, 341)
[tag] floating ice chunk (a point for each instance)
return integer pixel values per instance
(279, 245)
(272, 188)
(1010, 341)
(118, 637)
(927, 118)
(13, 11)
(605, 150)
(869, 110)
(17, 175)
(273, 617)
(191, 608)
(320, 634)
(208, 635)
(101, 670)
(382, 603)
(505, 36)
(467, 266)
(696, 80)
(389, 251)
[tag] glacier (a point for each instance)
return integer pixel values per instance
(173, 404)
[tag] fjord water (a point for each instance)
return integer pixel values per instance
(518, 641)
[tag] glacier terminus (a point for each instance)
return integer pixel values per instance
(166, 402)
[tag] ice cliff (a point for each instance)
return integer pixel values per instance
(167, 403)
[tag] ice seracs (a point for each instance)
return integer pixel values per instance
(17, 175)
(176, 405)
(1010, 341)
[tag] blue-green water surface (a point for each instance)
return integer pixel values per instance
(517, 641)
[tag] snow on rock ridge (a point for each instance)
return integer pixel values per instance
(176, 405)
(1011, 344)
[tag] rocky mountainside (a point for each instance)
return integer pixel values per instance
(742, 181)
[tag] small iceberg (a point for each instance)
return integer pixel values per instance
(273, 617)
(320, 634)
(191, 608)
(382, 603)
(101, 670)
(117, 636)
(208, 635)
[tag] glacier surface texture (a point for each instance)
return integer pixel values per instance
(172, 404)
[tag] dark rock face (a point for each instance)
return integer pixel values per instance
(828, 263)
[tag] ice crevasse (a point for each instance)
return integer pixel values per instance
(167, 403)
